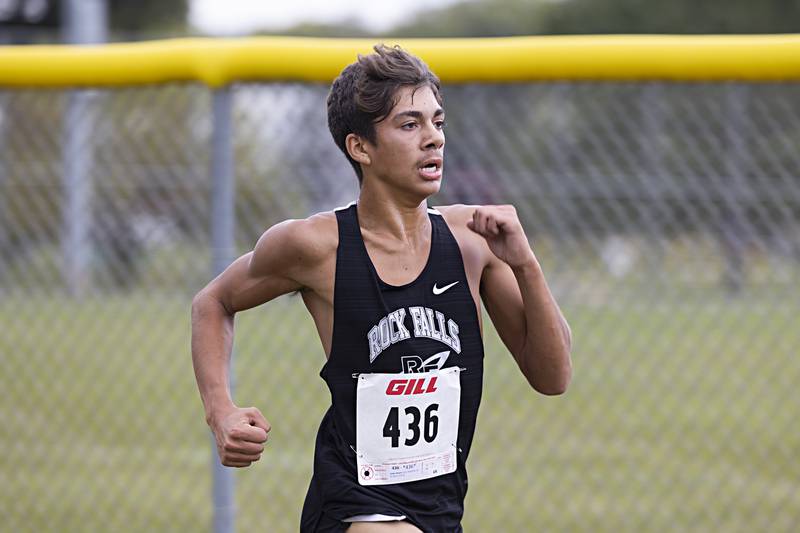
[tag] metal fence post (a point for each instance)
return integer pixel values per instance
(223, 250)
(85, 23)
(77, 215)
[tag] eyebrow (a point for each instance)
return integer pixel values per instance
(417, 114)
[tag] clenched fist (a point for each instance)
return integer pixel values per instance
(240, 436)
(499, 225)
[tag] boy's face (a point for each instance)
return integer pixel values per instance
(408, 154)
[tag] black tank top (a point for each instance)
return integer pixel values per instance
(442, 300)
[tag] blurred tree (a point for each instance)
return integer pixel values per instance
(139, 16)
(477, 18)
(676, 16)
(28, 18)
(484, 18)
(345, 28)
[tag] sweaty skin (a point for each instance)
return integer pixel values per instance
(300, 255)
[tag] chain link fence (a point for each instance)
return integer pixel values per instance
(666, 216)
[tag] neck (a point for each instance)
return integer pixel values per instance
(392, 215)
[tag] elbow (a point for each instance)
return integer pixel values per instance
(553, 388)
(552, 379)
(205, 304)
(201, 297)
(199, 302)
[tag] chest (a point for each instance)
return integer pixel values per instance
(398, 263)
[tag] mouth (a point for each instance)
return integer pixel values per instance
(431, 168)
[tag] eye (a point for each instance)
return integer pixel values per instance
(408, 125)
(440, 124)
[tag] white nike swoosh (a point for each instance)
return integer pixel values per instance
(440, 359)
(437, 290)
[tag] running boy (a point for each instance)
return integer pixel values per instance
(394, 288)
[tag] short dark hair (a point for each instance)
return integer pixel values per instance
(366, 92)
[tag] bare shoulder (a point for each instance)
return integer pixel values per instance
(456, 212)
(472, 245)
(296, 244)
(457, 216)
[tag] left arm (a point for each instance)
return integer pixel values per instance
(519, 302)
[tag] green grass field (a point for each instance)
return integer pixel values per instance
(679, 418)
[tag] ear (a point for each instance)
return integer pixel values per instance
(356, 147)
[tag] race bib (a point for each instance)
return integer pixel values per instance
(406, 425)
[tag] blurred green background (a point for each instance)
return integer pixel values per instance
(666, 217)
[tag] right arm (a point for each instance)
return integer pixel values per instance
(267, 272)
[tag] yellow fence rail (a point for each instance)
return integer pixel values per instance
(217, 62)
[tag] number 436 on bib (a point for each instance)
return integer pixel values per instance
(406, 425)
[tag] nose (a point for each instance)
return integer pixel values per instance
(434, 138)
